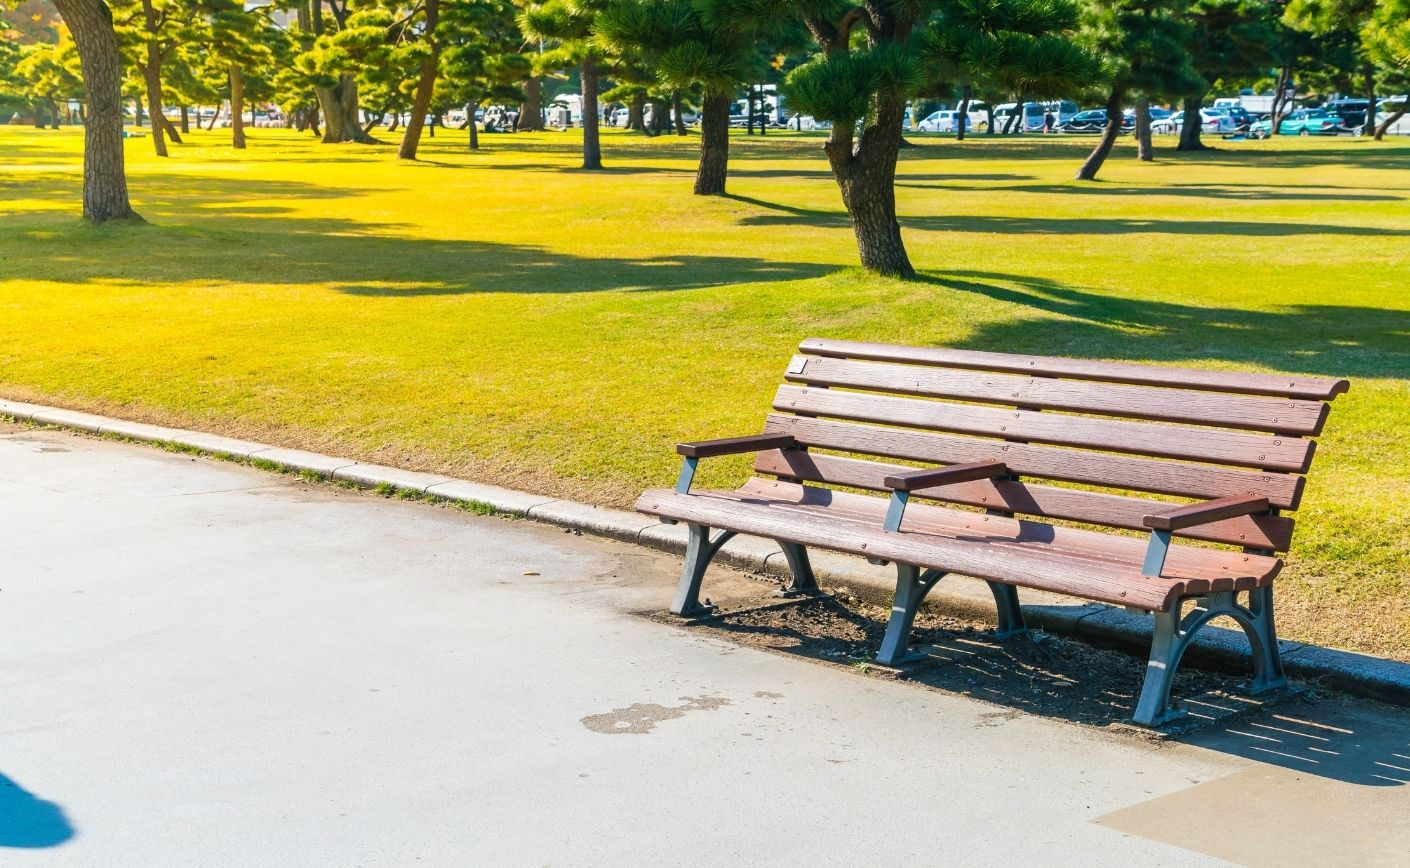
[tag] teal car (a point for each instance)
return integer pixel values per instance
(1303, 122)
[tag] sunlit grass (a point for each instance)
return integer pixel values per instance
(505, 317)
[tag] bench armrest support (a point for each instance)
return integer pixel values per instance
(699, 449)
(1188, 515)
(1191, 514)
(902, 484)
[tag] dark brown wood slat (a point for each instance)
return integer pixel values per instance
(1277, 385)
(965, 524)
(1047, 462)
(1048, 569)
(1284, 416)
(1205, 512)
(1143, 438)
(733, 445)
(1266, 531)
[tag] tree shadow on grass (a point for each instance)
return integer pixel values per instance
(1196, 191)
(1329, 340)
(792, 215)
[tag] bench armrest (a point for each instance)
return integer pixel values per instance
(735, 445)
(1191, 514)
(933, 476)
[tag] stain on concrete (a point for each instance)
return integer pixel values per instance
(767, 694)
(642, 717)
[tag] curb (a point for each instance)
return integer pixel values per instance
(1217, 648)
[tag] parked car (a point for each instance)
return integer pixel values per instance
(1388, 107)
(939, 122)
(1157, 114)
(1211, 121)
(1033, 115)
(1303, 122)
(1352, 111)
(1089, 121)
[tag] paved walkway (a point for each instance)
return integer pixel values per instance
(204, 664)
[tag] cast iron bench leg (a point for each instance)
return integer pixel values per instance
(803, 582)
(1011, 621)
(911, 587)
(698, 553)
(1172, 637)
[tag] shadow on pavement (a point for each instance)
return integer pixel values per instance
(29, 822)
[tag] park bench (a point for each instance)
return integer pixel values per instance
(1038, 459)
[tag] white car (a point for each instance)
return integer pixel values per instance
(1400, 127)
(939, 122)
(1212, 122)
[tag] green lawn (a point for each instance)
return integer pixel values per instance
(505, 317)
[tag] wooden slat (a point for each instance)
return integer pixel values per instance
(1046, 462)
(1277, 385)
(997, 529)
(1143, 438)
(1046, 568)
(1265, 531)
(1284, 416)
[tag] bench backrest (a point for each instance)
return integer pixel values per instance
(1128, 430)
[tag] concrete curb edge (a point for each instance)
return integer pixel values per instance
(1358, 674)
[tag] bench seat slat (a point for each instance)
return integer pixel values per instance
(1255, 413)
(1265, 531)
(1047, 462)
(1145, 438)
(968, 551)
(1276, 385)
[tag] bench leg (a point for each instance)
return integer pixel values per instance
(699, 551)
(911, 587)
(804, 582)
(1173, 634)
(1010, 612)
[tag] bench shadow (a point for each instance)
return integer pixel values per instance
(28, 822)
(1063, 678)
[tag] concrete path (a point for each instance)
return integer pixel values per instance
(205, 664)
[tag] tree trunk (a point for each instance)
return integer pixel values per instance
(962, 121)
(1389, 122)
(1192, 127)
(1144, 149)
(215, 116)
(678, 112)
(531, 112)
(592, 142)
(1279, 97)
(1018, 120)
(714, 146)
(171, 131)
(104, 173)
(425, 85)
(636, 112)
(152, 74)
(53, 112)
(339, 107)
(185, 121)
(474, 143)
(1369, 72)
(866, 175)
(1094, 161)
(237, 107)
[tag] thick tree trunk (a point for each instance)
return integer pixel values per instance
(592, 141)
(1385, 125)
(636, 113)
(474, 143)
(237, 107)
(171, 131)
(678, 112)
(1194, 125)
(1369, 75)
(531, 112)
(1145, 151)
(185, 121)
(962, 121)
(339, 107)
(866, 176)
(53, 112)
(714, 146)
(1094, 161)
(425, 86)
(104, 172)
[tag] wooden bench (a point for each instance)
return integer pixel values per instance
(1081, 442)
